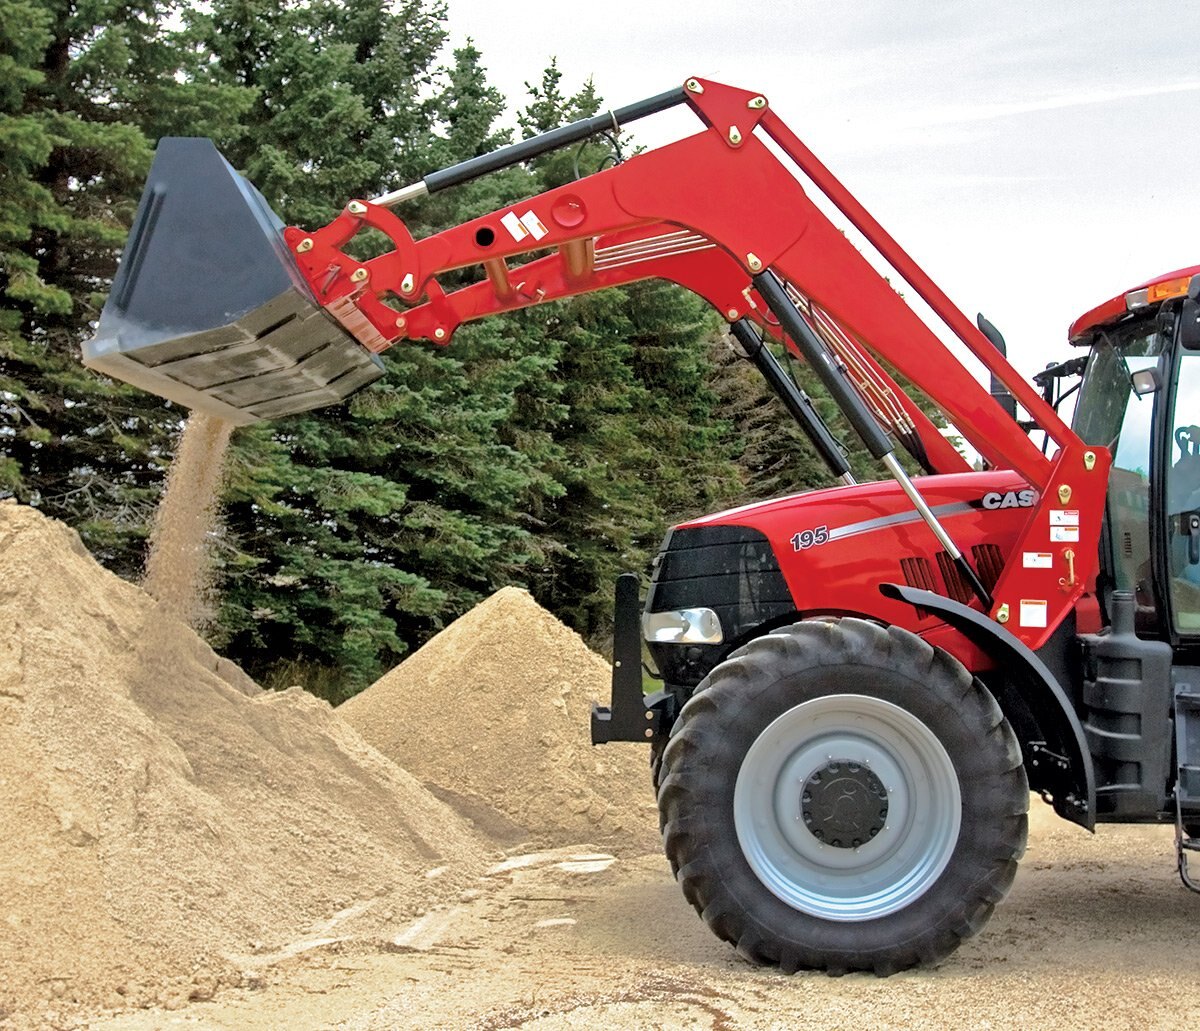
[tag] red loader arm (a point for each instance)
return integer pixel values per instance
(720, 214)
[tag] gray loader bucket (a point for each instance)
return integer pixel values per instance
(207, 307)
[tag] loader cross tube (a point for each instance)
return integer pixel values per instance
(535, 146)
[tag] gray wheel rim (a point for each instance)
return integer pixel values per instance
(884, 874)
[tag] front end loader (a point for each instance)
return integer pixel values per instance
(861, 684)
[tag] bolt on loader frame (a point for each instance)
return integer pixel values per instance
(843, 747)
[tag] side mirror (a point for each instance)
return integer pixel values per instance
(999, 390)
(1189, 317)
(1146, 381)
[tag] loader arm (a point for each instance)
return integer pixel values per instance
(217, 306)
(687, 260)
(722, 215)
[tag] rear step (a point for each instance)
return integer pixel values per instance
(208, 308)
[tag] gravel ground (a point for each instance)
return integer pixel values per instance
(1097, 931)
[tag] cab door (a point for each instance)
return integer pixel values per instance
(1111, 414)
(1182, 496)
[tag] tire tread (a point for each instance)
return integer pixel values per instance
(689, 766)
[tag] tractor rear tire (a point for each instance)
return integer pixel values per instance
(839, 795)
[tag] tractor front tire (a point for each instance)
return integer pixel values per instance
(839, 795)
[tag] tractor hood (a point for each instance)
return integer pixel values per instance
(827, 552)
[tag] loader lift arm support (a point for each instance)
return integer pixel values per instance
(724, 186)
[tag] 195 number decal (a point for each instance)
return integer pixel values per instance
(806, 539)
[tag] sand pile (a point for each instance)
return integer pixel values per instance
(160, 815)
(492, 714)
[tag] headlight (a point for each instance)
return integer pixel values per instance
(683, 626)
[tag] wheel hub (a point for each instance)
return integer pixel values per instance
(844, 804)
(900, 762)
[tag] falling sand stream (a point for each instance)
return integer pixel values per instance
(178, 566)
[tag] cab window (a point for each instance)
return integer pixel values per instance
(1183, 497)
(1111, 415)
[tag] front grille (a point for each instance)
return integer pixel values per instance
(729, 569)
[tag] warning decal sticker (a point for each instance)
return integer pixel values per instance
(514, 226)
(534, 224)
(1064, 517)
(1033, 612)
(1064, 534)
(1037, 560)
(521, 226)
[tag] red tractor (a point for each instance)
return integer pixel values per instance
(861, 684)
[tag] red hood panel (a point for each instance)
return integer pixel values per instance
(836, 545)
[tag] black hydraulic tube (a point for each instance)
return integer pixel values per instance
(817, 355)
(859, 416)
(798, 403)
(564, 135)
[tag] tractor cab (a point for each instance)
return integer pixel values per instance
(1140, 397)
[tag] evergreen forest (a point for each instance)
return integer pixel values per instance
(548, 448)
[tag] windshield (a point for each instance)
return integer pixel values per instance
(1105, 397)
(1109, 414)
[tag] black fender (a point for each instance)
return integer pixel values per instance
(1059, 762)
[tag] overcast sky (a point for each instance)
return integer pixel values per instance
(1035, 158)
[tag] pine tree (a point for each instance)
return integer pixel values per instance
(81, 87)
